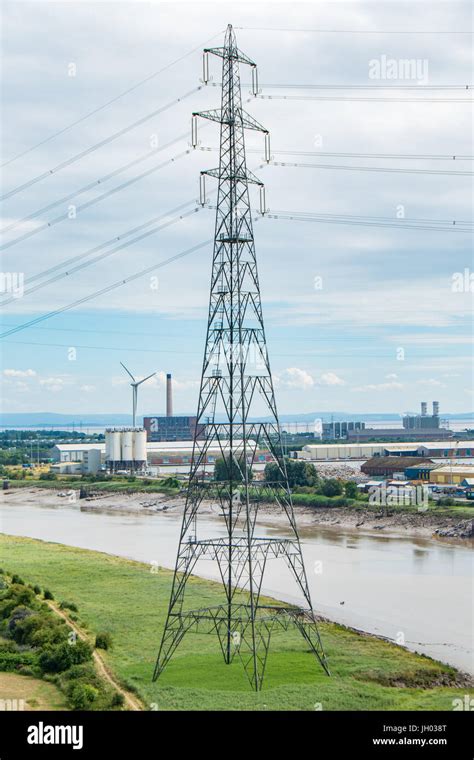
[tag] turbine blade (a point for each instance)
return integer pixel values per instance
(146, 378)
(128, 371)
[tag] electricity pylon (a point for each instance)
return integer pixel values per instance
(235, 374)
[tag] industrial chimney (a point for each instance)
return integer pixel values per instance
(435, 408)
(424, 407)
(169, 396)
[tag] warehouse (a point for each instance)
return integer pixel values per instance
(425, 449)
(448, 474)
(388, 467)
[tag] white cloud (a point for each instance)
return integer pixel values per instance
(293, 377)
(19, 373)
(53, 384)
(392, 386)
(431, 382)
(330, 378)
(87, 388)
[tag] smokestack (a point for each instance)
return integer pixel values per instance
(169, 397)
(435, 408)
(424, 407)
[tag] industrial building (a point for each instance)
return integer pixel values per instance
(454, 474)
(334, 430)
(414, 426)
(125, 449)
(171, 428)
(389, 467)
(423, 421)
(162, 458)
(426, 449)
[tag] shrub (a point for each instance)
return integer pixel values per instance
(103, 640)
(68, 606)
(81, 695)
(18, 580)
(331, 487)
(16, 618)
(48, 476)
(15, 660)
(350, 489)
(63, 656)
(117, 700)
(47, 594)
(37, 589)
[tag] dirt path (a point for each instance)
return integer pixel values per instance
(132, 702)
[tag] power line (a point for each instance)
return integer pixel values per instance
(101, 246)
(97, 145)
(351, 31)
(454, 222)
(105, 290)
(369, 222)
(95, 200)
(91, 185)
(105, 255)
(372, 168)
(418, 87)
(109, 102)
(366, 100)
(401, 156)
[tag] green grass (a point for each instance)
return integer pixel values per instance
(128, 600)
(114, 486)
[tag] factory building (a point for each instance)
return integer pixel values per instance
(389, 467)
(454, 474)
(426, 449)
(171, 428)
(423, 421)
(334, 430)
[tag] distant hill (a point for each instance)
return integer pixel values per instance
(51, 419)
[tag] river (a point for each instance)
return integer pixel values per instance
(412, 590)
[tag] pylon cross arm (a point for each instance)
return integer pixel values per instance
(234, 54)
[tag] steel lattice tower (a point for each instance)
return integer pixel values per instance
(236, 371)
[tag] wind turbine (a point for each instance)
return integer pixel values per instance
(135, 384)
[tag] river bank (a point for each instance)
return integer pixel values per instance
(129, 601)
(363, 519)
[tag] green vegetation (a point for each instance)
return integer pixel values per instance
(299, 472)
(227, 469)
(129, 601)
(35, 641)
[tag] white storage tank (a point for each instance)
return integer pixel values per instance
(115, 446)
(127, 446)
(107, 444)
(139, 445)
(93, 460)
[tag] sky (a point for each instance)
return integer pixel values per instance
(358, 318)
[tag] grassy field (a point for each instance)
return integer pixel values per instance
(128, 600)
(35, 693)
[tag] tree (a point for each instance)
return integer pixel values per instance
(299, 473)
(331, 487)
(224, 469)
(350, 489)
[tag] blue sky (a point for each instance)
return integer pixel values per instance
(332, 348)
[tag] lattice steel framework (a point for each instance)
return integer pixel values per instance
(236, 371)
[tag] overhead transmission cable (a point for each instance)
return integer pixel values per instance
(400, 156)
(352, 31)
(404, 170)
(375, 99)
(93, 201)
(78, 267)
(112, 100)
(96, 146)
(374, 221)
(107, 289)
